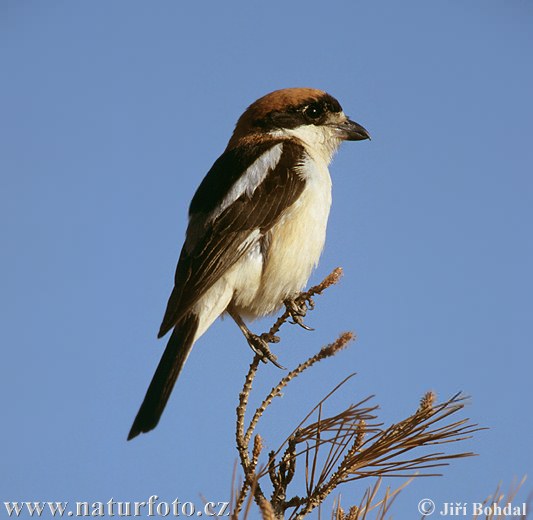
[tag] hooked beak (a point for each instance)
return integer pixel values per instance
(351, 131)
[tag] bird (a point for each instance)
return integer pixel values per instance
(256, 229)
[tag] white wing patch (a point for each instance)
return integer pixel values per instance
(250, 239)
(249, 181)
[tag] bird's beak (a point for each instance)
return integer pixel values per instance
(351, 131)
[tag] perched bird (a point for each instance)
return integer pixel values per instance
(257, 225)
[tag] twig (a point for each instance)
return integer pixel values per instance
(243, 444)
(243, 440)
(325, 352)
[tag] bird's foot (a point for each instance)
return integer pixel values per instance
(298, 310)
(259, 344)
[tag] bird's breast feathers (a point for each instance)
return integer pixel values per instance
(257, 242)
(281, 260)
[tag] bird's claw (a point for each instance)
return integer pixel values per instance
(259, 344)
(298, 310)
(270, 338)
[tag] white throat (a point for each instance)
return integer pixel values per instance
(321, 142)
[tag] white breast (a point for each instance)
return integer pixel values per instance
(296, 243)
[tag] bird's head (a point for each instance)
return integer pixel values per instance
(309, 115)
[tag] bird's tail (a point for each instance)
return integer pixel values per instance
(176, 353)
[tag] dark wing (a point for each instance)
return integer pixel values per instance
(214, 245)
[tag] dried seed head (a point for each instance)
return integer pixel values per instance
(353, 514)
(361, 430)
(337, 345)
(427, 402)
(339, 513)
(258, 447)
(332, 278)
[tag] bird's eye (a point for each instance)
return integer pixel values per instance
(314, 111)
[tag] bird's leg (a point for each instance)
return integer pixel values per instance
(259, 344)
(298, 308)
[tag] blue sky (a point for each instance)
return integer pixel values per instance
(111, 113)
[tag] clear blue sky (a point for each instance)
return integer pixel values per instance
(110, 115)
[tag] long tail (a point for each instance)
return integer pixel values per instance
(176, 353)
